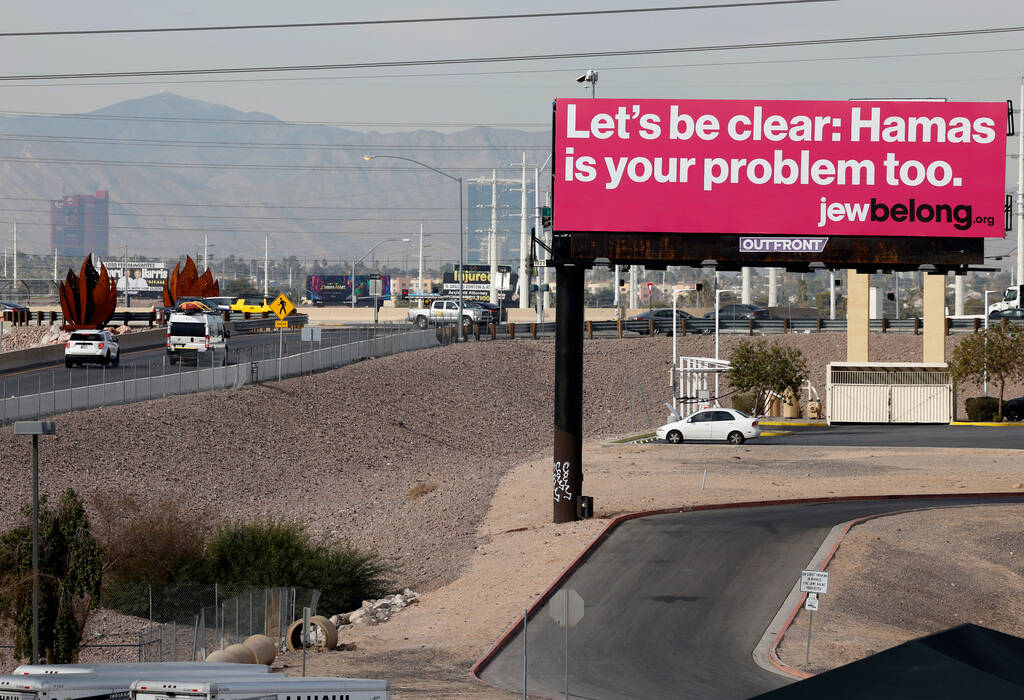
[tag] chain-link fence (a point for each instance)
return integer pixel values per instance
(186, 622)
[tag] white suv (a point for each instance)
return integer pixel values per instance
(92, 346)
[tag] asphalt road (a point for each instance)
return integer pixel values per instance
(676, 603)
(857, 435)
(139, 364)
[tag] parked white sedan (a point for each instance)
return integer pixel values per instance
(712, 424)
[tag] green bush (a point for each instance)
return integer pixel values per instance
(743, 402)
(982, 408)
(283, 554)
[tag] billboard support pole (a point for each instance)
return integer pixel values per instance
(1020, 192)
(568, 452)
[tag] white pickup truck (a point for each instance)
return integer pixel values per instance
(447, 311)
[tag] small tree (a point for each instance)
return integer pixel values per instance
(70, 572)
(761, 367)
(996, 353)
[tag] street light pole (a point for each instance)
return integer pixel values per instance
(458, 179)
(35, 429)
(985, 373)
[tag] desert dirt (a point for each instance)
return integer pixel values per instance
(440, 461)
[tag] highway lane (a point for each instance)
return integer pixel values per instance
(139, 364)
(676, 603)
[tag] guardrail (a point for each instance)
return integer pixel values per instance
(623, 328)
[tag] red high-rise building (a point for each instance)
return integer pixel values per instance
(80, 224)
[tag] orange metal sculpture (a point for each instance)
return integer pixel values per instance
(87, 299)
(189, 283)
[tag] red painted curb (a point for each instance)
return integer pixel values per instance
(614, 523)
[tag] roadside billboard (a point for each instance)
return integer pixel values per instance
(143, 278)
(825, 168)
(476, 283)
(336, 289)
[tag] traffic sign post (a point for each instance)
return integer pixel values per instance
(813, 583)
(566, 609)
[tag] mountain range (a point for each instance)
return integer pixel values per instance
(179, 170)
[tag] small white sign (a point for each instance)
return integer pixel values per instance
(814, 582)
(812, 602)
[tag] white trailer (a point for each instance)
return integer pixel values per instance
(105, 685)
(140, 668)
(272, 687)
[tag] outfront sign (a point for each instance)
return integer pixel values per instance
(774, 167)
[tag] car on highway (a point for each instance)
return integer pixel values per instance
(92, 346)
(739, 312)
(711, 424)
(193, 335)
(252, 305)
(1012, 314)
(662, 320)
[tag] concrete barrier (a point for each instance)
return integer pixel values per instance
(50, 354)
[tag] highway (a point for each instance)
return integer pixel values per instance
(139, 364)
(676, 603)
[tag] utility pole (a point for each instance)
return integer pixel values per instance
(492, 239)
(419, 285)
(832, 294)
(14, 287)
(266, 265)
(55, 264)
(124, 273)
(524, 245)
(1020, 194)
(773, 286)
(634, 301)
(206, 251)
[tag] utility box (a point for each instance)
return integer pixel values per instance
(889, 392)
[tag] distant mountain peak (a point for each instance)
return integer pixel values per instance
(169, 104)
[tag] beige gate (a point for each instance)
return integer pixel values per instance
(884, 392)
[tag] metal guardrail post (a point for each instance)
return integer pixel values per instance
(917, 325)
(493, 328)
(750, 330)
(512, 331)
(533, 331)
(885, 324)
(618, 326)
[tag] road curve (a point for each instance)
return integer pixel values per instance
(676, 602)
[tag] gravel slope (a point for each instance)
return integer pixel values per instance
(344, 450)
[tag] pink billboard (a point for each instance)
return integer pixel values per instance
(854, 168)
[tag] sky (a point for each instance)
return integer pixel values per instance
(987, 67)
(505, 92)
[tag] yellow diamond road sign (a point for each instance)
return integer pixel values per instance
(282, 306)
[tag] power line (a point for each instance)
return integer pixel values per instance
(230, 166)
(411, 20)
(228, 206)
(44, 138)
(990, 31)
(266, 122)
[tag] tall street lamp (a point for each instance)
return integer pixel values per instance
(462, 329)
(365, 255)
(35, 429)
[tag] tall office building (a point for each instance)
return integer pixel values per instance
(80, 224)
(478, 219)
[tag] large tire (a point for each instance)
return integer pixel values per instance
(736, 438)
(421, 322)
(675, 437)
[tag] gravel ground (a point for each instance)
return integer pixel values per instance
(350, 452)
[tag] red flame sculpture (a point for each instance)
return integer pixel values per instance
(87, 299)
(189, 283)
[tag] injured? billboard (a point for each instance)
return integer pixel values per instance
(857, 168)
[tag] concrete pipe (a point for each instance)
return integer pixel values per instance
(264, 648)
(322, 634)
(236, 654)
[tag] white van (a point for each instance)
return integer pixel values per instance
(270, 687)
(197, 336)
(110, 685)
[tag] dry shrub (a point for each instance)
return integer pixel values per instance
(421, 488)
(150, 543)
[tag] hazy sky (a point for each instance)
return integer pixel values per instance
(959, 68)
(514, 93)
